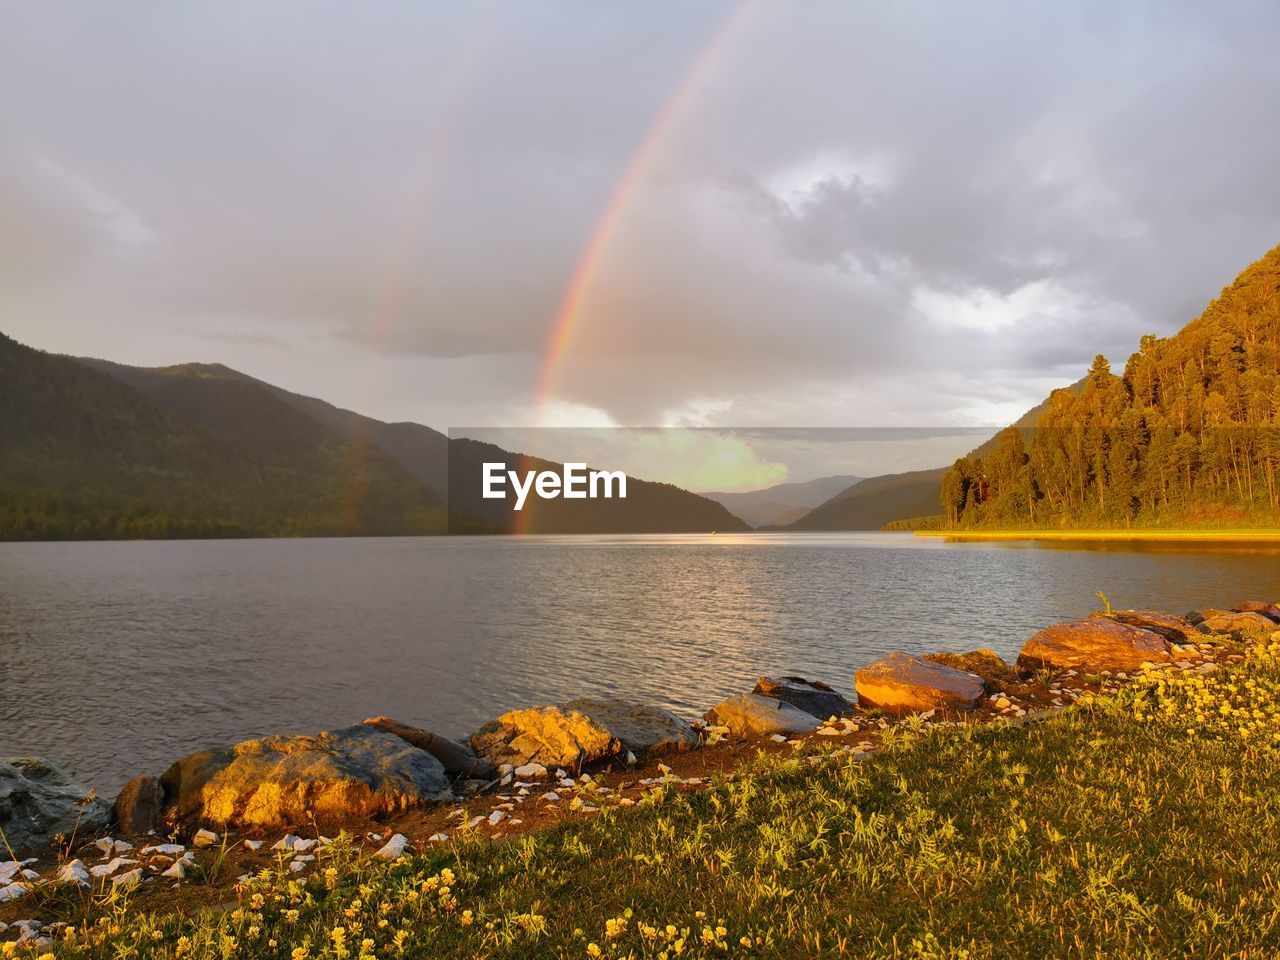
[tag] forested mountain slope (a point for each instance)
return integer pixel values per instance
(1188, 435)
(84, 455)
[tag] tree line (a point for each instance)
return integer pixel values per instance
(1187, 435)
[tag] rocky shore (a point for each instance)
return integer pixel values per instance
(389, 788)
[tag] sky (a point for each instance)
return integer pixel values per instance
(764, 214)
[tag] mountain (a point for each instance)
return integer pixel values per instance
(784, 502)
(895, 498)
(648, 508)
(1187, 436)
(874, 502)
(85, 455)
(95, 449)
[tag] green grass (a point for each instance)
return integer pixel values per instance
(1143, 825)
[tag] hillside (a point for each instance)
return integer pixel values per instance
(84, 455)
(98, 450)
(874, 502)
(783, 502)
(1188, 435)
(648, 508)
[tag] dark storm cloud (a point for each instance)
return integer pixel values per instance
(861, 213)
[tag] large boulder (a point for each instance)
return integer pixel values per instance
(1174, 629)
(1239, 624)
(358, 771)
(1269, 610)
(551, 736)
(987, 664)
(811, 696)
(751, 713)
(38, 802)
(901, 683)
(458, 759)
(137, 808)
(642, 729)
(1093, 644)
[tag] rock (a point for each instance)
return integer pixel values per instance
(547, 735)
(1174, 629)
(530, 771)
(170, 849)
(394, 848)
(751, 713)
(334, 776)
(130, 879)
(811, 696)
(137, 808)
(458, 759)
(73, 872)
(1239, 624)
(1269, 610)
(642, 729)
(987, 664)
(107, 869)
(901, 683)
(177, 870)
(204, 838)
(1093, 644)
(38, 802)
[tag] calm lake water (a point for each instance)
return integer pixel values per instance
(117, 658)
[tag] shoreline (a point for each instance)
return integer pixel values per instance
(1120, 536)
(186, 883)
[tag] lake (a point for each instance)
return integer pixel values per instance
(117, 658)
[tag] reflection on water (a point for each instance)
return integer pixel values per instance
(116, 658)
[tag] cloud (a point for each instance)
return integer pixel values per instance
(909, 213)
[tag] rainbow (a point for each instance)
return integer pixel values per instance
(572, 303)
(439, 140)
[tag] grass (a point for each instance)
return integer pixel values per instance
(1144, 824)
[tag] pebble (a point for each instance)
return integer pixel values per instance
(438, 837)
(166, 849)
(177, 870)
(204, 838)
(530, 771)
(13, 891)
(394, 848)
(107, 869)
(73, 872)
(497, 817)
(130, 879)
(551, 796)
(253, 844)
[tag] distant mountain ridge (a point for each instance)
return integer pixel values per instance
(91, 449)
(783, 502)
(85, 455)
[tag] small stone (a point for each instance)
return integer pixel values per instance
(530, 771)
(253, 844)
(130, 879)
(165, 849)
(177, 870)
(1002, 703)
(497, 817)
(551, 796)
(204, 838)
(73, 872)
(438, 837)
(13, 891)
(107, 869)
(394, 848)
